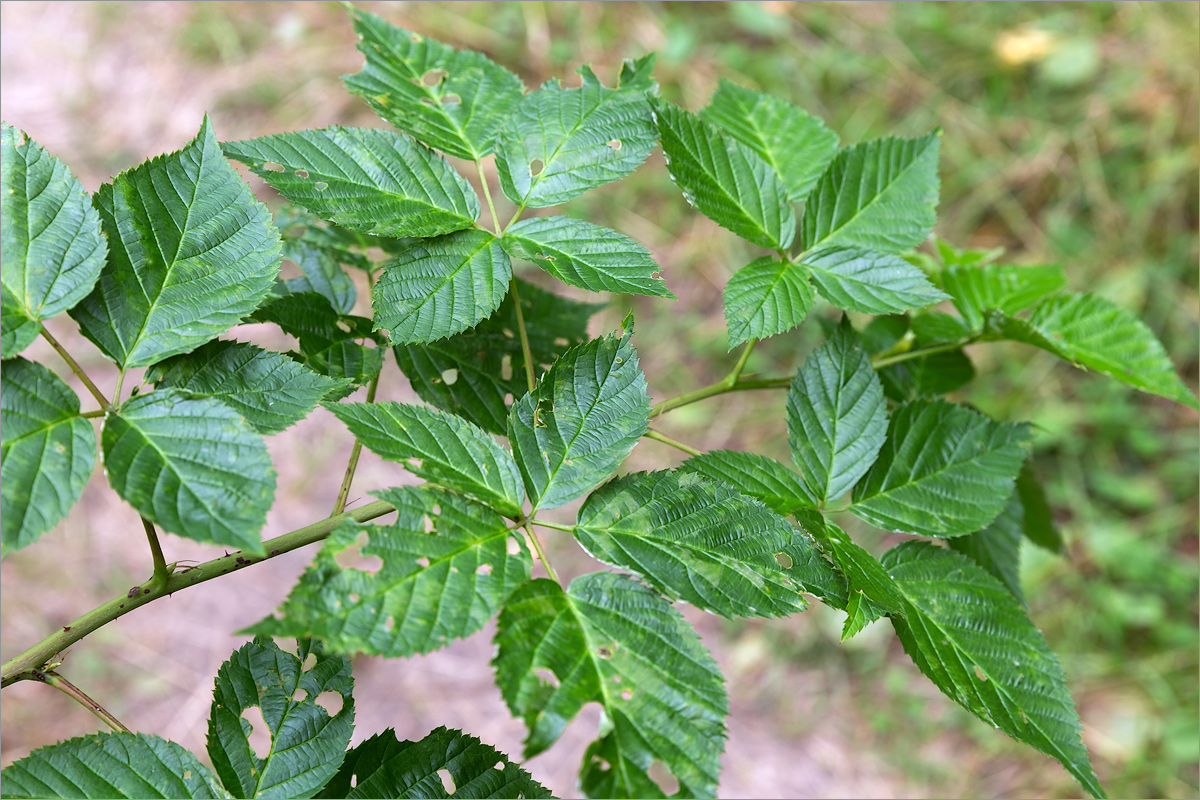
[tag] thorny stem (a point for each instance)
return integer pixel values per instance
(161, 573)
(26, 665)
(526, 353)
(658, 437)
(78, 370)
(348, 478)
(487, 195)
(75, 693)
(537, 548)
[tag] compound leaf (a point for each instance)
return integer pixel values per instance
(597, 639)
(307, 744)
(971, 637)
(797, 146)
(976, 290)
(997, 548)
(323, 274)
(836, 416)
(52, 248)
(584, 417)
(585, 255)
(879, 195)
(766, 297)
(558, 143)
(365, 179)
(694, 540)
(440, 287)
(104, 765)
(870, 282)
(48, 451)
(432, 587)
(455, 101)
(190, 465)
(724, 180)
(384, 766)
(438, 447)
(945, 470)
(191, 252)
(760, 477)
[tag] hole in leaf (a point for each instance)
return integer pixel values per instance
(352, 557)
(450, 376)
(331, 702)
(784, 560)
(390, 624)
(499, 766)
(512, 546)
(353, 781)
(354, 598)
(320, 186)
(506, 370)
(484, 569)
(259, 737)
(300, 696)
(412, 463)
(429, 527)
(615, 144)
(434, 77)
(662, 776)
(429, 101)
(301, 173)
(979, 674)
(437, 510)
(271, 166)
(627, 694)
(616, 678)
(562, 342)
(508, 399)
(603, 652)
(447, 781)
(310, 661)
(423, 562)
(535, 167)
(451, 99)
(547, 677)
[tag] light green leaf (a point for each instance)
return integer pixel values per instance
(365, 179)
(945, 470)
(594, 639)
(478, 373)
(879, 195)
(577, 426)
(455, 101)
(50, 240)
(432, 588)
(192, 466)
(269, 390)
(836, 416)
(105, 765)
(585, 255)
(762, 478)
(48, 451)
(997, 548)
(191, 252)
(1040, 527)
(559, 143)
(765, 298)
(322, 274)
(797, 146)
(307, 744)
(926, 377)
(694, 540)
(438, 447)
(975, 290)
(971, 637)
(726, 181)
(440, 287)
(383, 766)
(870, 282)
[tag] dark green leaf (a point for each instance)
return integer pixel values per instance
(455, 101)
(883, 333)
(431, 588)
(813, 572)
(585, 255)
(48, 451)
(762, 478)
(327, 339)
(50, 238)
(928, 376)
(1040, 527)
(766, 297)
(594, 640)
(191, 252)
(975, 290)
(933, 328)
(364, 179)
(190, 465)
(997, 548)
(322, 274)
(307, 744)
(870, 282)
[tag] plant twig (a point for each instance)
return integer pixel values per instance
(658, 437)
(348, 478)
(733, 376)
(75, 693)
(161, 573)
(553, 525)
(879, 362)
(487, 195)
(541, 554)
(526, 353)
(78, 370)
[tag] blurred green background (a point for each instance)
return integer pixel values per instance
(1070, 137)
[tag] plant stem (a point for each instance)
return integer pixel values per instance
(658, 437)
(541, 554)
(161, 573)
(487, 195)
(554, 525)
(733, 376)
(920, 352)
(78, 370)
(25, 665)
(75, 693)
(348, 478)
(526, 353)
(92, 414)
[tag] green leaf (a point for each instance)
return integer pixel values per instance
(455, 101)
(383, 766)
(559, 143)
(870, 282)
(971, 637)
(190, 465)
(836, 416)
(1040, 527)
(440, 287)
(432, 588)
(766, 297)
(438, 447)
(975, 290)
(762, 478)
(997, 548)
(813, 573)
(926, 377)
(595, 639)
(797, 146)
(307, 744)
(577, 426)
(48, 452)
(327, 339)
(934, 328)
(945, 470)
(269, 390)
(50, 240)
(880, 195)
(694, 540)
(365, 179)
(191, 252)
(883, 333)
(477, 374)
(322, 274)
(585, 255)
(105, 765)
(726, 181)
